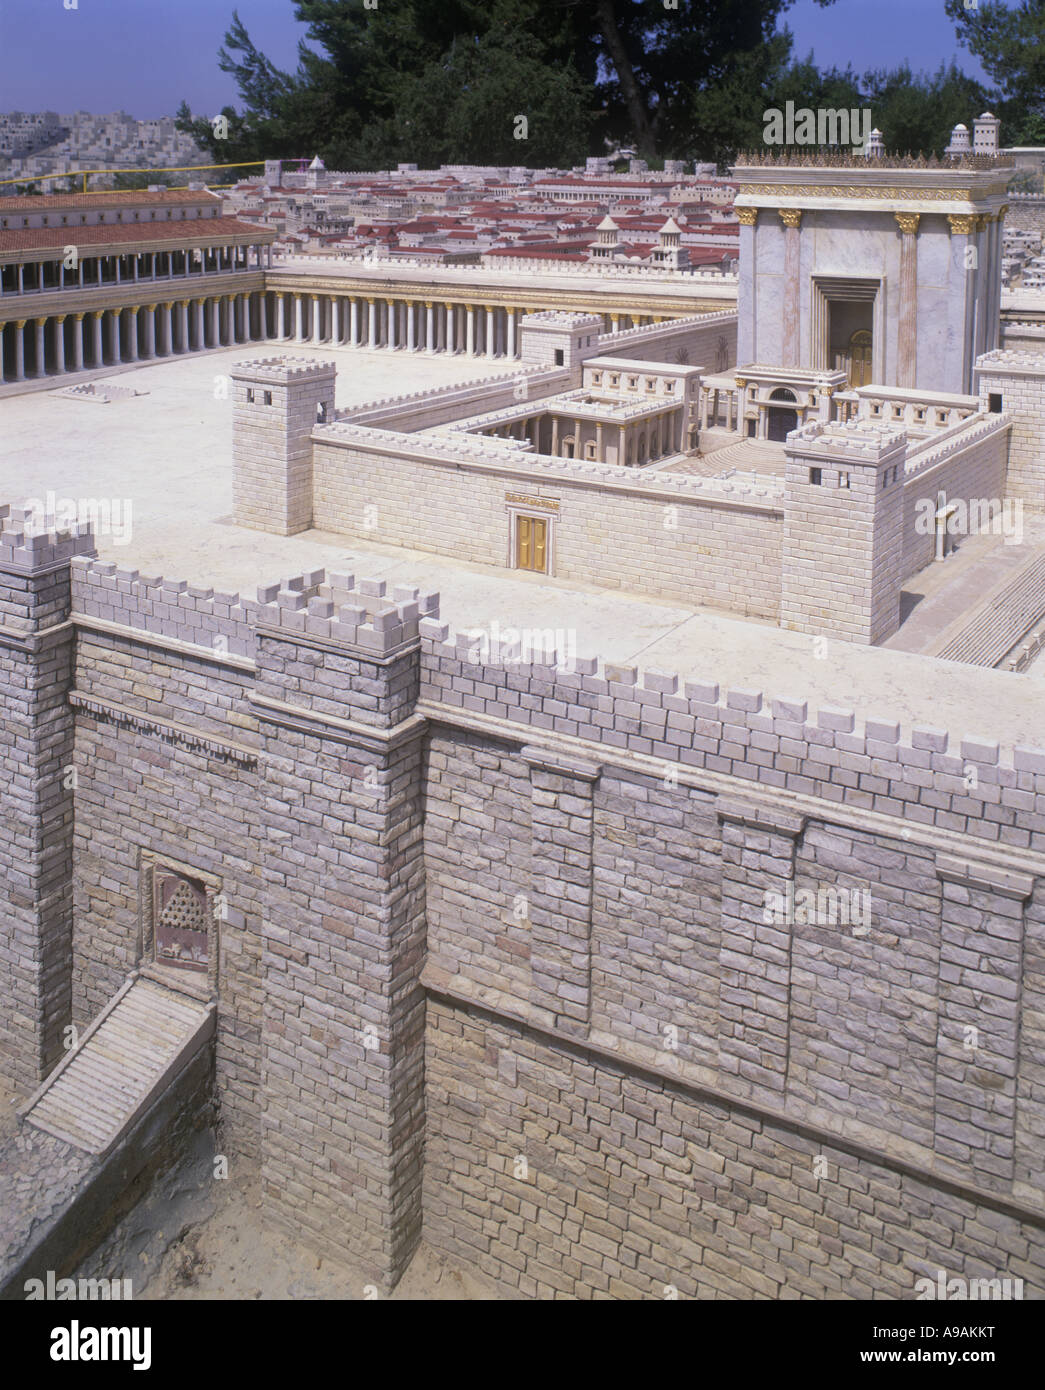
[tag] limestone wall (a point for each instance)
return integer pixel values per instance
(974, 471)
(1019, 379)
(637, 1025)
(709, 342)
(689, 538)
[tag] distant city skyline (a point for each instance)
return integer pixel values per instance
(110, 55)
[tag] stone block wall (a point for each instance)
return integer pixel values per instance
(973, 471)
(869, 1144)
(652, 533)
(36, 746)
(708, 341)
(647, 1062)
(1019, 379)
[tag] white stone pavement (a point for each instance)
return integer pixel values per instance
(170, 453)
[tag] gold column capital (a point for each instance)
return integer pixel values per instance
(97, 313)
(741, 382)
(428, 304)
(78, 317)
(41, 322)
(961, 224)
(747, 217)
(908, 222)
(791, 217)
(60, 318)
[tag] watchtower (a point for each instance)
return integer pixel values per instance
(277, 402)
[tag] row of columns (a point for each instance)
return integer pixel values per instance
(129, 335)
(29, 277)
(411, 325)
(634, 443)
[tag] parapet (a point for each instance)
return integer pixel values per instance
(282, 370)
(860, 440)
(1017, 361)
(23, 546)
(562, 318)
(337, 607)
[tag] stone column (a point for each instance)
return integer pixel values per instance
(411, 334)
(201, 327)
(512, 350)
(335, 320)
(560, 905)
(429, 326)
(299, 321)
(36, 750)
(451, 329)
(371, 323)
(978, 1018)
(907, 324)
(281, 316)
(168, 328)
(791, 218)
(19, 327)
(470, 330)
(98, 355)
(555, 436)
(41, 358)
(392, 334)
(150, 330)
(491, 338)
(131, 337)
(317, 320)
(183, 323)
(59, 343)
(758, 867)
(78, 342)
(353, 321)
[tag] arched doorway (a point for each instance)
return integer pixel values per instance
(858, 358)
(781, 421)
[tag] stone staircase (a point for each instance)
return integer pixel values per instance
(138, 1043)
(999, 624)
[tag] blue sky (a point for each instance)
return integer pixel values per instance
(144, 56)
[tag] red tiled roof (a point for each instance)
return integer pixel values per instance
(47, 202)
(208, 231)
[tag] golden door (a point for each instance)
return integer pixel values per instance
(858, 358)
(531, 544)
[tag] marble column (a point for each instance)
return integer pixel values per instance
(512, 351)
(353, 321)
(201, 329)
(78, 342)
(59, 343)
(411, 332)
(131, 338)
(215, 322)
(20, 349)
(317, 320)
(299, 320)
(791, 218)
(150, 330)
(183, 324)
(41, 360)
(451, 329)
(491, 336)
(167, 320)
(392, 335)
(335, 320)
(555, 436)
(429, 326)
(907, 325)
(371, 322)
(97, 356)
(470, 330)
(281, 316)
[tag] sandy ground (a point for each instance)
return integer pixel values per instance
(234, 1255)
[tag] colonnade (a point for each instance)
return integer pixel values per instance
(398, 323)
(654, 435)
(51, 345)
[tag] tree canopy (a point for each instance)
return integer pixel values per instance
(546, 82)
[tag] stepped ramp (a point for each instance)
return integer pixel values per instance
(136, 1046)
(1002, 621)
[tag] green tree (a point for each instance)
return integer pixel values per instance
(445, 80)
(917, 112)
(1010, 43)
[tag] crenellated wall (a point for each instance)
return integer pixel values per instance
(654, 983)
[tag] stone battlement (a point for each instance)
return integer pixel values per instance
(23, 547)
(338, 607)
(281, 370)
